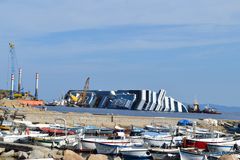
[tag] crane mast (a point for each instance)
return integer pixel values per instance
(80, 100)
(13, 62)
(83, 94)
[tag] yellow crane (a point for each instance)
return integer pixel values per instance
(81, 99)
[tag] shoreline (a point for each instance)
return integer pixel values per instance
(63, 109)
(36, 115)
(97, 120)
(110, 121)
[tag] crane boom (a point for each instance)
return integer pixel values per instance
(80, 99)
(83, 94)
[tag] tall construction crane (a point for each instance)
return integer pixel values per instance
(81, 99)
(13, 61)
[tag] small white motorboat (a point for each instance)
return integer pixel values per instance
(223, 147)
(192, 155)
(114, 148)
(161, 153)
(70, 141)
(160, 141)
(89, 144)
(17, 137)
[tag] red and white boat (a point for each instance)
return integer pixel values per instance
(57, 131)
(201, 141)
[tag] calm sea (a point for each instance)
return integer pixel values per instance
(229, 114)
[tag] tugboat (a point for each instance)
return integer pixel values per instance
(207, 109)
(195, 108)
(210, 110)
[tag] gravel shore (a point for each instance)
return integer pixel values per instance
(97, 120)
(84, 119)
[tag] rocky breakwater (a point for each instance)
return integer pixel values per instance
(12, 151)
(24, 151)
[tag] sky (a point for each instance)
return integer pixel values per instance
(189, 48)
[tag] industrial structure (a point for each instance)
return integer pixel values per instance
(15, 91)
(80, 99)
(146, 100)
(13, 64)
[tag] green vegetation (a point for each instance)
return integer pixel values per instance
(4, 93)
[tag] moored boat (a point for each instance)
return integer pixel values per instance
(135, 153)
(69, 142)
(136, 135)
(57, 131)
(224, 146)
(113, 148)
(163, 141)
(161, 153)
(89, 144)
(23, 137)
(201, 141)
(192, 155)
(6, 125)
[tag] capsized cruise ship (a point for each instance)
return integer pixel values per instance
(143, 100)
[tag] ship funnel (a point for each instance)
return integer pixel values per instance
(19, 80)
(36, 86)
(12, 87)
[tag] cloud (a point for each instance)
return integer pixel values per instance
(28, 17)
(114, 39)
(127, 39)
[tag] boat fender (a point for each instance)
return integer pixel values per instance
(148, 153)
(184, 142)
(236, 147)
(27, 131)
(164, 146)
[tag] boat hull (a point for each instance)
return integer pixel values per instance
(89, 144)
(159, 153)
(56, 142)
(156, 142)
(203, 143)
(187, 155)
(222, 147)
(135, 153)
(111, 149)
(159, 142)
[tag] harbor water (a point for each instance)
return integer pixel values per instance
(227, 114)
